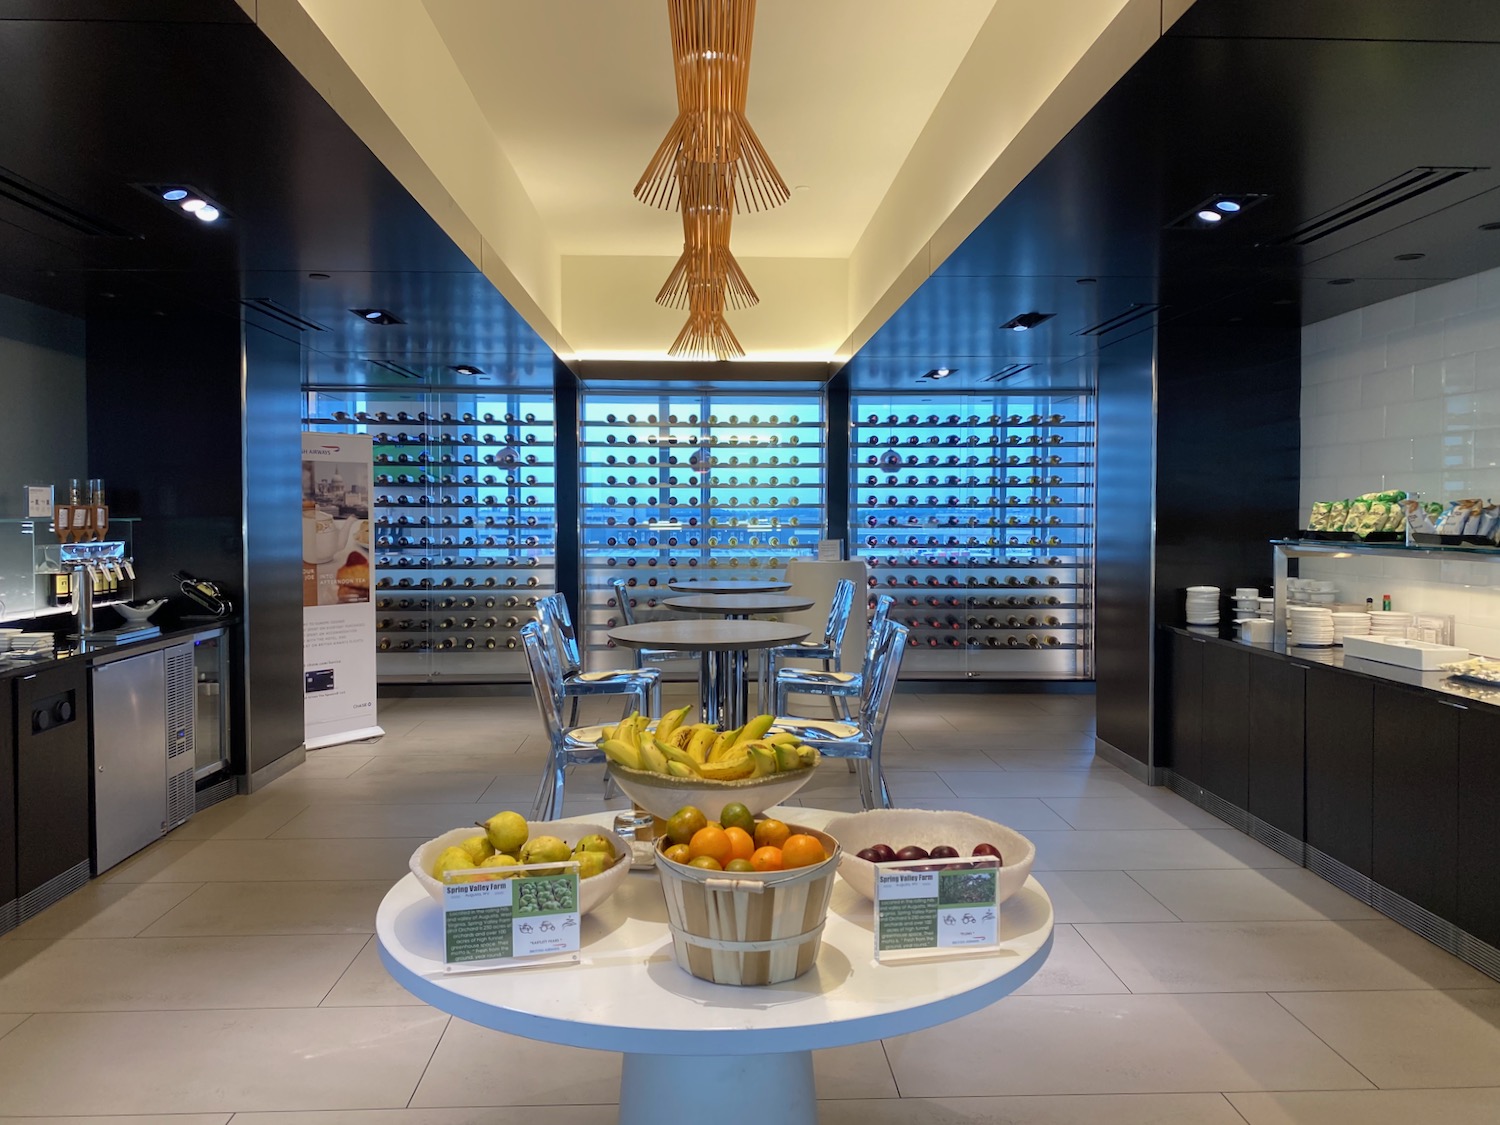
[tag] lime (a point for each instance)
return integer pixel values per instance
(679, 853)
(736, 815)
(707, 862)
(685, 823)
(739, 865)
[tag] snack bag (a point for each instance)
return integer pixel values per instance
(1338, 512)
(1373, 518)
(1318, 519)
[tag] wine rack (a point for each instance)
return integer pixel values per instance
(693, 485)
(976, 513)
(465, 512)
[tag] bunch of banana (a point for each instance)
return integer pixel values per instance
(703, 751)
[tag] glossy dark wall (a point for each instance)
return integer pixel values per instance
(1123, 580)
(164, 428)
(272, 581)
(565, 403)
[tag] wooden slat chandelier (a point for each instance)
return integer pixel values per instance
(709, 166)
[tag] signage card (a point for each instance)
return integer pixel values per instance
(494, 918)
(936, 908)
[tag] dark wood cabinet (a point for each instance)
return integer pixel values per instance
(1276, 731)
(1184, 720)
(7, 791)
(1479, 824)
(1340, 748)
(1414, 843)
(52, 774)
(1226, 720)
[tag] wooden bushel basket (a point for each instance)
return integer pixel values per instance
(748, 929)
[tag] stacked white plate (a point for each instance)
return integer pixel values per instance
(1246, 601)
(1202, 605)
(1267, 607)
(1350, 624)
(1388, 623)
(1309, 626)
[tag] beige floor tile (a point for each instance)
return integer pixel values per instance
(240, 818)
(475, 1066)
(353, 822)
(900, 755)
(1023, 724)
(856, 1071)
(261, 860)
(133, 1119)
(535, 1115)
(1071, 969)
(910, 784)
(430, 788)
(1371, 1107)
(1408, 1039)
(1082, 1109)
(1102, 896)
(1021, 813)
(519, 792)
(9, 1021)
(1271, 895)
(1047, 760)
(157, 974)
(247, 909)
(1098, 782)
(1275, 956)
(366, 984)
(157, 1063)
(1133, 812)
(1005, 740)
(105, 910)
(1118, 1045)
(331, 763)
(461, 757)
(1115, 851)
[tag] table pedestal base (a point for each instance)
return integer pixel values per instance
(727, 1090)
(723, 690)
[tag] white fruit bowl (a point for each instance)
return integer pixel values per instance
(926, 829)
(661, 795)
(591, 892)
(139, 614)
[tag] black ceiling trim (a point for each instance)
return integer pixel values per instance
(24, 193)
(1121, 319)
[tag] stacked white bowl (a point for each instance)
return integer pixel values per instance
(1388, 623)
(1349, 624)
(1309, 626)
(1246, 602)
(1267, 607)
(1202, 605)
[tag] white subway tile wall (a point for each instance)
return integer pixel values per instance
(1406, 394)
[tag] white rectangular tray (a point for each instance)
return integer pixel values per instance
(1422, 655)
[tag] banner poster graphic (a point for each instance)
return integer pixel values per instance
(338, 614)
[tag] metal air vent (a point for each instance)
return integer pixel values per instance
(283, 315)
(1007, 371)
(24, 193)
(397, 369)
(1382, 197)
(1114, 323)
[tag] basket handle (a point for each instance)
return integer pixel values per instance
(754, 886)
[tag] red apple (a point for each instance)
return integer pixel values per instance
(988, 849)
(911, 851)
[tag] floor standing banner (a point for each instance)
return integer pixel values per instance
(338, 614)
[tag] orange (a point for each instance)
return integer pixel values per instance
(712, 841)
(741, 846)
(685, 821)
(707, 862)
(767, 859)
(770, 833)
(802, 851)
(678, 853)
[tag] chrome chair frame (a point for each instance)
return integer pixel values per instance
(562, 639)
(829, 650)
(563, 749)
(644, 656)
(862, 741)
(838, 686)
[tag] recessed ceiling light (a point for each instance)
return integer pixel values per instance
(1210, 216)
(1026, 321)
(1087, 281)
(1228, 206)
(1413, 257)
(377, 316)
(207, 213)
(468, 369)
(183, 199)
(318, 276)
(172, 195)
(1489, 226)
(1215, 209)
(1341, 281)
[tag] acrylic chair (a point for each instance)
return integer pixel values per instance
(564, 749)
(828, 648)
(861, 740)
(645, 656)
(840, 687)
(557, 630)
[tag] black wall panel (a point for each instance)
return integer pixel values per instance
(1415, 806)
(1340, 737)
(1479, 824)
(1275, 785)
(1182, 706)
(1226, 723)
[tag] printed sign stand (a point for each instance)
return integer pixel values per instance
(493, 918)
(926, 909)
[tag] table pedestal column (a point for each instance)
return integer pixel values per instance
(724, 1089)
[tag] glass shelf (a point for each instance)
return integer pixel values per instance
(934, 480)
(30, 557)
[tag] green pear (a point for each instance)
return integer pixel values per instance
(592, 863)
(500, 859)
(507, 832)
(479, 848)
(546, 849)
(595, 843)
(452, 859)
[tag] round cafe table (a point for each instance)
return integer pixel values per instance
(687, 1043)
(738, 606)
(723, 690)
(727, 585)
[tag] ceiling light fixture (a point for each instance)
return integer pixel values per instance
(938, 373)
(1412, 257)
(468, 369)
(1212, 211)
(377, 316)
(1210, 216)
(1026, 321)
(708, 166)
(184, 198)
(1341, 281)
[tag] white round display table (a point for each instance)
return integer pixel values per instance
(740, 1056)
